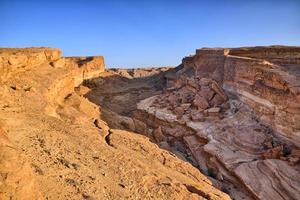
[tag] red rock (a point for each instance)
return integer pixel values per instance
(197, 116)
(205, 81)
(273, 153)
(206, 92)
(213, 111)
(192, 82)
(217, 100)
(200, 102)
(158, 135)
(294, 157)
(218, 90)
(185, 106)
(179, 111)
(173, 100)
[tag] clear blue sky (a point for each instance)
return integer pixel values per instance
(147, 33)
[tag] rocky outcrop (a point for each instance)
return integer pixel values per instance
(250, 130)
(232, 113)
(271, 91)
(280, 55)
(77, 70)
(264, 78)
(13, 60)
(57, 146)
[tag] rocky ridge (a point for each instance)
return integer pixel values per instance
(54, 143)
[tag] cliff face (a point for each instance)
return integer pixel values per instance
(32, 81)
(237, 114)
(265, 78)
(13, 61)
(54, 143)
(67, 126)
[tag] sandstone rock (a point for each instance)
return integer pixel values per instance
(140, 126)
(217, 100)
(17, 180)
(17, 60)
(173, 100)
(197, 116)
(263, 88)
(179, 111)
(200, 102)
(158, 135)
(218, 90)
(185, 106)
(260, 112)
(205, 81)
(257, 112)
(52, 54)
(274, 153)
(60, 63)
(213, 111)
(206, 92)
(193, 83)
(286, 179)
(58, 145)
(294, 157)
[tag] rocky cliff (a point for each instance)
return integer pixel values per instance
(54, 143)
(234, 113)
(265, 78)
(224, 123)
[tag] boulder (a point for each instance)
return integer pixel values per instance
(197, 116)
(200, 102)
(217, 100)
(214, 111)
(158, 134)
(179, 111)
(206, 92)
(218, 90)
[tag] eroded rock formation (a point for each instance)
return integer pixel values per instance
(232, 114)
(247, 139)
(54, 143)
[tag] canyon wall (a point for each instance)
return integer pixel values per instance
(265, 78)
(232, 113)
(281, 55)
(54, 143)
(235, 117)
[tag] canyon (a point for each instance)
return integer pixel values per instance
(224, 124)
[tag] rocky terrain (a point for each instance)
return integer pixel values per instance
(224, 124)
(54, 143)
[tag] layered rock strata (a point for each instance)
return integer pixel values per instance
(236, 118)
(55, 145)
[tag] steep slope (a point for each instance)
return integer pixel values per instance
(55, 145)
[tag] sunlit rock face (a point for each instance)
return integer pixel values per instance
(265, 78)
(237, 111)
(270, 85)
(223, 124)
(55, 143)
